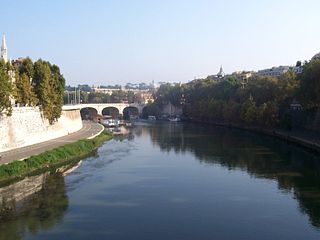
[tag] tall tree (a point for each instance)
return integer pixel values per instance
(44, 89)
(310, 84)
(58, 84)
(27, 68)
(23, 91)
(5, 90)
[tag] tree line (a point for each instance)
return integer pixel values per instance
(32, 84)
(264, 101)
(117, 96)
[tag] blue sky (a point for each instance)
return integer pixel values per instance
(120, 41)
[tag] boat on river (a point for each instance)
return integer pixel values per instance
(174, 119)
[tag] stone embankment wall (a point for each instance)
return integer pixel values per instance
(27, 126)
(314, 123)
(16, 192)
(170, 109)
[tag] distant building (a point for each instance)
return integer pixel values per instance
(278, 71)
(297, 69)
(274, 71)
(4, 57)
(4, 49)
(221, 73)
(145, 95)
(243, 76)
(295, 106)
(317, 56)
(219, 76)
(18, 62)
(109, 91)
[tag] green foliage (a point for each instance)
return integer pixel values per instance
(233, 81)
(151, 110)
(27, 68)
(49, 84)
(260, 103)
(117, 96)
(267, 114)
(309, 90)
(23, 92)
(262, 89)
(169, 93)
(6, 90)
(286, 122)
(249, 111)
(58, 83)
(44, 160)
(265, 101)
(39, 83)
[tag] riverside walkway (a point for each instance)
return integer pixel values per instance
(88, 130)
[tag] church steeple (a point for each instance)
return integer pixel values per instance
(220, 73)
(4, 50)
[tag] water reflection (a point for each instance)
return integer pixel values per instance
(34, 204)
(296, 170)
(132, 190)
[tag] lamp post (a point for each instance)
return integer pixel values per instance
(75, 95)
(79, 96)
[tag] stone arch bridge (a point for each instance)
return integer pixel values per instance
(112, 109)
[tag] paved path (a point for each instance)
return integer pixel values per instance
(89, 129)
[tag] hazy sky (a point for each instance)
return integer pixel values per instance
(115, 42)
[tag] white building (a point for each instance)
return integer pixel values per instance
(221, 73)
(4, 49)
(278, 71)
(243, 76)
(274, 71)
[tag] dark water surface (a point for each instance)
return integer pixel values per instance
(173, 181)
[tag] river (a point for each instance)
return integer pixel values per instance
(173, 181)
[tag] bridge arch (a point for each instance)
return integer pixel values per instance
(99, 107)
(88, 113)
(130, 112)
(144, 112)
(111, 111)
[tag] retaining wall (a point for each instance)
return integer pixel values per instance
(27, 126)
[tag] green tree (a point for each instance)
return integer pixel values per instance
(288, 84)
(249, 111)
(23, 91)
(267, 114)
(49, 88)
(6, 91)
(58, 84)
(309, 90)
(27, 68)
(130, 96)
(262, 89)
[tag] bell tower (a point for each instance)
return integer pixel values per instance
(4, 50)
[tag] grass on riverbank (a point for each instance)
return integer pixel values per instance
(76, 150)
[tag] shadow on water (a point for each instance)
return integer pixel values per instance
(31, 205)
(295, 169)
(38, 202)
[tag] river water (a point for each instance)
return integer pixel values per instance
(173, 181)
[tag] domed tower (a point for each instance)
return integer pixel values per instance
(220, 74)
(4, 50)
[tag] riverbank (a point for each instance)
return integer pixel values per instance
(89, 130)
(300, 139)
(19, 169)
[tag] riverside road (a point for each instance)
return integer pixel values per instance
(89, 129)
